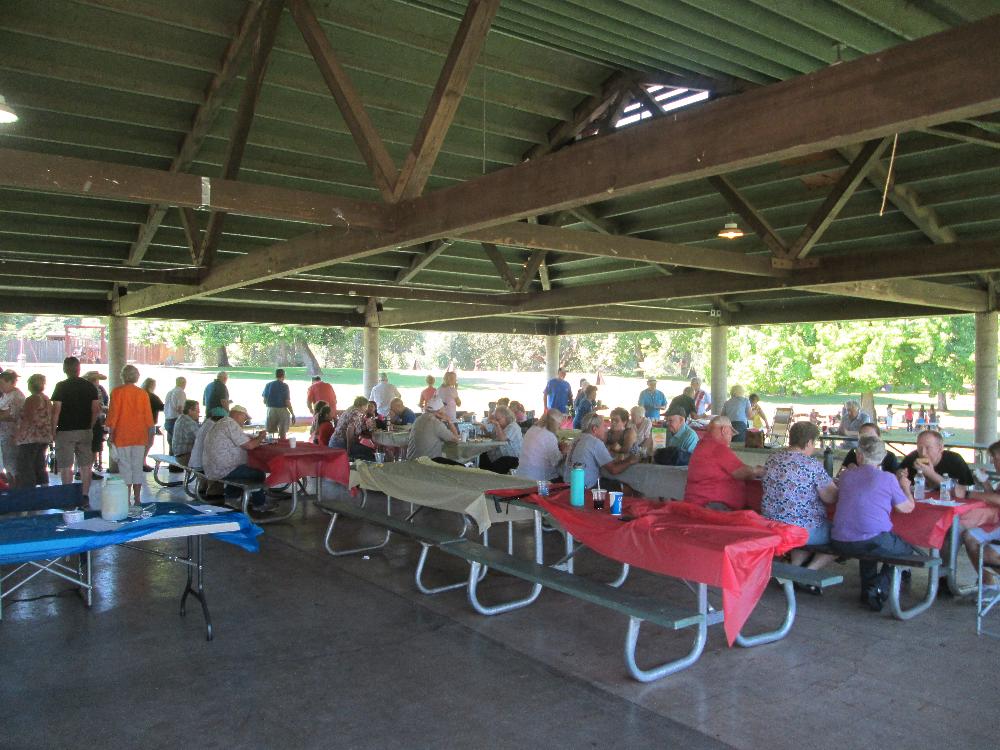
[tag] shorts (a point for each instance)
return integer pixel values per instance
(130, 461)
(278, 420)
(819, 535)
(76, 444)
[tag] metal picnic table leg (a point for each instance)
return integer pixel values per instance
(748, 641)
(955, 541)
(196, 575)
(671, 667)
(566, 563)
(475, 577)
(933, 579)
(333, 523)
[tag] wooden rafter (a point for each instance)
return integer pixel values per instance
(260, 54)
(965, 133)
(469, 42)
(366, 137)
(913, 292)
(193, 232)
(842, 191)
(421, 261)
(531, 266)
(502, 267)
(316, 286)
(120, 274)
(754, 219)
(215, 94)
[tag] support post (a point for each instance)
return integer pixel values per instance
(719, 368)
(117, 349)
(370, 358)
(986, 378)
(551, 357)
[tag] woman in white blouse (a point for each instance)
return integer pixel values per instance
(448, 392)
(643, 430)
(540, 454)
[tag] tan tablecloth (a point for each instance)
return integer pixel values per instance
(469, 450)
(392, 439)
(654, 481)
(452, 488)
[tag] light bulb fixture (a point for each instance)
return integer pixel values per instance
(6, 113)
(731, 230)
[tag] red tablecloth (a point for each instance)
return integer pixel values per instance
(731, 550)
(928, 525)
(284, 464)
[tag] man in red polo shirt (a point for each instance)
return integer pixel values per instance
(716, 476)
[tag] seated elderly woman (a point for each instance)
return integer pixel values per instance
(797, 490)
(584, 406)
(716, 476)
(502, 426)
(541, 454)
(521, 416)
(351, 426)
(620, 435)
(591, 452)
(863, 523)
(738, 409)
(889, 463)
(643, 427)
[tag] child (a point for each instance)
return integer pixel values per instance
(888, 417)
(757, 413)
(908, 417)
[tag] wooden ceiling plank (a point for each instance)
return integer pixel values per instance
(494, 254)
(368, 141)
(260, 55)
(543, 237)
(841, 192)
(119, 274)
(458, 66)
(750, 215)
(362, 290)
(204, 117)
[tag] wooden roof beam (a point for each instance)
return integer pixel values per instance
(118, 274)
(26, 170)
(543, 237)
(494, 254)
(913, 292)
(366, 137)
(531, 266)
(469, 42)
(421, 261)
(206, 114)
(267, 30)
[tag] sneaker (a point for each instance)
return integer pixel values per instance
(873, 598)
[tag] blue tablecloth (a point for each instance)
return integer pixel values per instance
(36, 538)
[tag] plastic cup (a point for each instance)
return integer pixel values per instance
(543, 487)
(598, 497)
(380, 457)
(616, 503)
(292, 442)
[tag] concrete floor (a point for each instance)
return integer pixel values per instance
(312, 651)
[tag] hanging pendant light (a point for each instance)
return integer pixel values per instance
(6, 113)
(731, 230)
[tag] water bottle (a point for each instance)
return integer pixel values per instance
(576, 482)
(945, 494)
(919, 487)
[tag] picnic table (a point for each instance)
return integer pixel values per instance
(286, 465)
(37, 544)
(470, 450)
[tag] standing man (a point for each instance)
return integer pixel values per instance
(75, 406)
(382, 394)
(173, 407)
(278, 401)
(10, 411)
(702, 399)
(557, 393)
(216, 396)
(652, 400)
(320, 390)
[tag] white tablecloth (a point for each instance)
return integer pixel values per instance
(452, 488)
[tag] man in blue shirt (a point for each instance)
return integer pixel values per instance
(278, 401)
(558, 392)
(652, 400)
(681, 442)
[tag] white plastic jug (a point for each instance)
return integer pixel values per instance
(114, 499)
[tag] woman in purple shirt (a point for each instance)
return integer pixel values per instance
(863, 523)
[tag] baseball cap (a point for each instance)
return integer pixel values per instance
(677, 412)
(435, 404)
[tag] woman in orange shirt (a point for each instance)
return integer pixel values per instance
(130, 428)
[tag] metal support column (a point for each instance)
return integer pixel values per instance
(719, 368)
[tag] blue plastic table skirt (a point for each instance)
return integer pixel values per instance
(37, 538)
